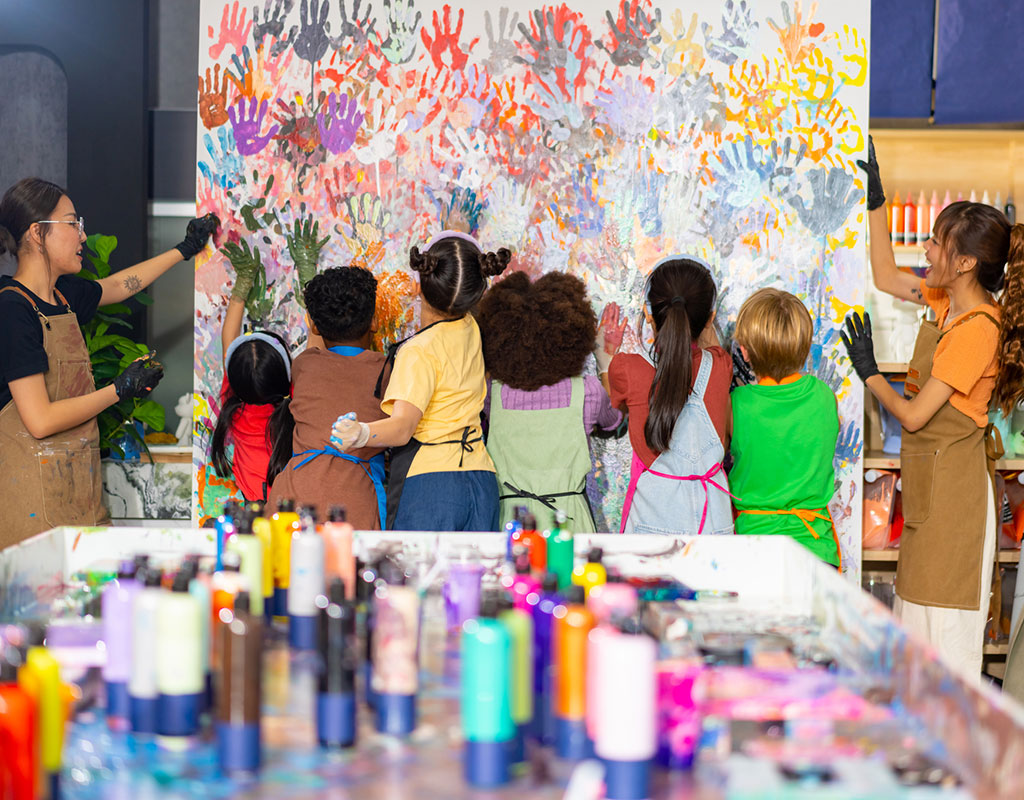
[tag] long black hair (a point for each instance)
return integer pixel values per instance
(453, 273)
(681, 295)
(25, 203)
(257, 375)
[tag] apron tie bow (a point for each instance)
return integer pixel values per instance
(708, 478)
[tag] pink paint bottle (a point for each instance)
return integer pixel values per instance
(933, 212)
(948, 199)
(922, 218)
(679, 718)
(612, 600)
(339, 562)
(523, 584)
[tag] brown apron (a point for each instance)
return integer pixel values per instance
(56, 480)
(947, 474)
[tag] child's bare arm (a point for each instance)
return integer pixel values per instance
(232, 327)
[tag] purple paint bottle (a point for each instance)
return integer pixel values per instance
(118, 597)
(462, 593)
(543, 615)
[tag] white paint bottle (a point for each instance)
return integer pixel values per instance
(305, 583)
(179, 661)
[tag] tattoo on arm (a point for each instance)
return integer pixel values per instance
(917, 293)
(132, 284)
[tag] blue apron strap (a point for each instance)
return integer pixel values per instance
(374, 469)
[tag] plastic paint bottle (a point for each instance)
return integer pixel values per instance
(569, 643)
(462, 593)
(543, 617)
(1010, 210)
(985, 199)
(282, 525)
(227, 583)
(609, 600)
(240, 687)
(523, 584)
(922, 226)
(948, 199)
(223, 528)
(250, 549)
(535, 544)
(933, 212)
(339, 561)
(519, 624)
(142, 689)
(18, 732)
(179, 662)
(264, 532)
(118, 596)
(596, 681)
(974, 196)
(395, 661)
(910, 221)
(336, 696)
(366, 580)
(560, 550)
(513, 531)
(998, 202)
(306, 583)
(592, 573)
(40, 678)
(626, 738)
(485, 697)
(896, 231)
(201, 592)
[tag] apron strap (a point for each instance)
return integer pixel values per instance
(708, 478)
(545, 499)
(35, 307)
(465, 443)
(373, 467)
(389, 361)
(806, 516)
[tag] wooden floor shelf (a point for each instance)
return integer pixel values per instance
(880, 556)
(876, 460)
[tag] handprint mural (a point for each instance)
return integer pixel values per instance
(591, 137)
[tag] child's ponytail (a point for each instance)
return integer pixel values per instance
(231, 405)
(1009, 389)
(279, 436)
(681, 295)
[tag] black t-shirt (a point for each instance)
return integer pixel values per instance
(21, 332)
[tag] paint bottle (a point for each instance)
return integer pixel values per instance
(522, 584)
(559, 545)
(239, 687)
(543, 617)
(896, 231)
(592, 573)
(933, 212)
(596, 681)
(626, 738)
(959, 197)
(910, 221)
(282, 525)
(1010, 210)
(223, 528)
(142, 688)
(118, 596)
(985, 199)
(306, 583)
(922, 227)
(974, 196)
(998, 202)
(612, 600)
(462, 593)
(485, 698)
(948, 199)
(569, 645)
(395, 662)
(262, 529)
(535, 544)
(201, 592)
(338, 647)
(366, 585)
(250, 549)
(227, 582)
(179, 662)
(39, 677)
(514, 530)
(339, 560)
(519, 624)
(18, 731)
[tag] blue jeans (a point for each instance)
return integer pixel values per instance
(449, 501)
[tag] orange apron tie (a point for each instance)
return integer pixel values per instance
(806, 516)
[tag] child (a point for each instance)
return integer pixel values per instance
(254, 404)
(339, 310)
(441, 476)
(678, 403)
(536, 338)
(784, 429)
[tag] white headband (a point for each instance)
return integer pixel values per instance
(681, 257)
(262, 337)
(454, 235)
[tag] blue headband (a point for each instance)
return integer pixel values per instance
(261, 337)
(454, 235)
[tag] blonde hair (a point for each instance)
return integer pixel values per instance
(775, 328)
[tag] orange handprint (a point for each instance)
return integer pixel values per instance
(213, 104)
(793, 31)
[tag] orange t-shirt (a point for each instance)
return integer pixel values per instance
(967, 358)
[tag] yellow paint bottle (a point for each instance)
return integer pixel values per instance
(592, 573)
(40, 678)
(262, 527)
(282, 525)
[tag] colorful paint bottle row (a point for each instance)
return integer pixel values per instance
(913, 222)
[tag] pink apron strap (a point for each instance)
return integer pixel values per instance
(705, 479)
(636, 469)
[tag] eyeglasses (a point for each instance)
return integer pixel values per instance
(78, 223)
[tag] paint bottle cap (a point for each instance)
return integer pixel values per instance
(150, 577)
(520, 513)
(561, 518)
(595, 555)
(336, 591)
(35, 635)
(141, 560)
(308, 510)
(337, 514)
(391, 572)
(126, 569)
(529, 522)
(181, 581)
(285, 506)
(257, 507)
(615, 577)
(230, 509)
(575, 594)
(549, 584)
(505, 602)
(489, 605)
(231, 562)
(243, 521)
(521, 559)
(190, 568)
(242, 602)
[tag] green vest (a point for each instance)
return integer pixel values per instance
(783, 442)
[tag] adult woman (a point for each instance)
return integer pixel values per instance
(48, 401)
(968, 357)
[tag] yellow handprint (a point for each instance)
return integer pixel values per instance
(854, 50)
(677, 51)
(817, 84)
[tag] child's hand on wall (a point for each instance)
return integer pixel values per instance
(609, 336)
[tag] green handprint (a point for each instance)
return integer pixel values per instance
(250, 279)
(304, 246)
(255, 213)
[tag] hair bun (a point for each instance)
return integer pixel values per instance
(7, 243)
(494, 263)
(423, 263)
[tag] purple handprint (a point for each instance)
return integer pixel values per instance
(589, 217)
(339, 124)
(246, 125)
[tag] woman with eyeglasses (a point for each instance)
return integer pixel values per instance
(48, 401)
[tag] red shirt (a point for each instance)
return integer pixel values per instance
(252, 449)
(630, 376)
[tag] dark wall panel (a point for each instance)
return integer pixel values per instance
(901, 58)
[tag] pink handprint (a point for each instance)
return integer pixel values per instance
(339, 124)
(234, 30)
(612, 328)
(247, 124)
(445, 39)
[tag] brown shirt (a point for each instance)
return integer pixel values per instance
(326, 385)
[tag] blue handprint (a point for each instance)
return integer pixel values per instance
(589, 217)
(738, 30)
(226, 163)
(745, 173)
(339, 124)
(834, 196)
(848, 445)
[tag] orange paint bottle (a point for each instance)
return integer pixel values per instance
(569, 656)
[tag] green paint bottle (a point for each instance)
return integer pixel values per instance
(519, 624)
(560, 550)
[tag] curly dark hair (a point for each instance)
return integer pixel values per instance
(454, 273)
(536, 334)
(341, 301)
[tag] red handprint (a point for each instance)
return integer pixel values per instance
(612, 328)
(445, 39)
(233, 30)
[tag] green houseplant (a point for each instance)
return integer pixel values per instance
(110, 352)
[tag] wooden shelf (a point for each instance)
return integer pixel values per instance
(879, 556)
(892, 366)
(877, 460)
(1001, 649)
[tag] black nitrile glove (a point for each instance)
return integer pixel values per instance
(196, 235)
(742, 372)
(876, 195)
(859, 346)
(139, 378)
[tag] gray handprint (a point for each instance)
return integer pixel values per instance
(354, 30)
(782, 167)
(403, 22)
(630, 34)
(310, 43)
(738, 31)
(833, 196)
(502, 47)
(272, 24)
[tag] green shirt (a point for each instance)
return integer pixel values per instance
(783, 441)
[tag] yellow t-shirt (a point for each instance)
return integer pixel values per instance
(441, 372)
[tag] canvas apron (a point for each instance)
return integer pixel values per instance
(56, 480)
(947, 475)
(514, 440)
(402, 457)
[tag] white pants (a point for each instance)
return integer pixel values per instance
(957, 634)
